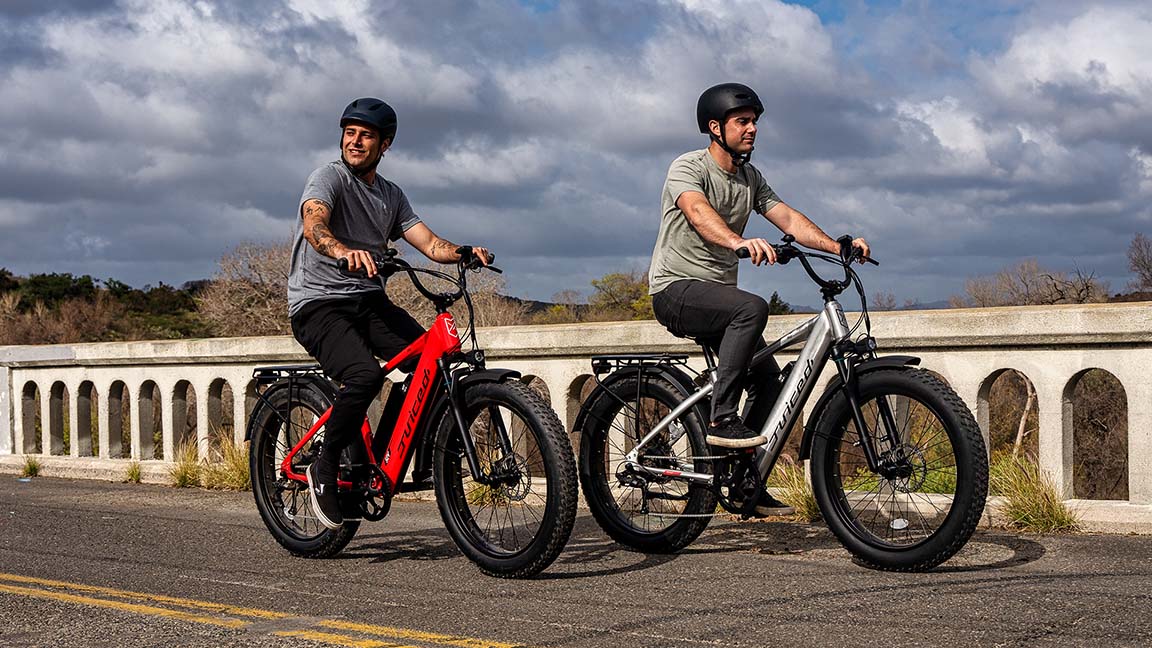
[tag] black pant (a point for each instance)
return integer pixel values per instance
(345, 336)
(729, 321)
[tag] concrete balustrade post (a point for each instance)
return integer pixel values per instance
(7, 413)
(203, 424)
(1055, 448)
(79, 446)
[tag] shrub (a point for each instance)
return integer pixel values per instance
(31, 466)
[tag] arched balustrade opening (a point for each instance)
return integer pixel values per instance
(87, 420)
(119, 421)
(184, 423)
(30, 419)
(59, 428)
(151, 417)
(1096, 417)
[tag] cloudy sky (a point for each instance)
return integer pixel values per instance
(142, 139)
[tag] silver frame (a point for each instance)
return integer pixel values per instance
(819, 334)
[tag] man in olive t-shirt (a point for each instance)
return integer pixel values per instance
(708, 197)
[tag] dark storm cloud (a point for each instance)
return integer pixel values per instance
(546, 131)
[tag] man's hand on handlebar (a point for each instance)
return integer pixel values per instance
(359, 261)
(759, 250)
(854, 249)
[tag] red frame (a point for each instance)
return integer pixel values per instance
(438, 341)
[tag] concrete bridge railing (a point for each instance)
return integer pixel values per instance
(97, 392)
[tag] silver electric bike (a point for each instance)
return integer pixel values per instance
(898, 464)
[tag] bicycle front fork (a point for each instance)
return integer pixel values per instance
(850, 379)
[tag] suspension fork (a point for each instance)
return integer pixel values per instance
(850, 380)
(457, 407)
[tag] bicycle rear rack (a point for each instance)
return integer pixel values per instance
(605, 363)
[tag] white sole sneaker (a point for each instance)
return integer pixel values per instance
(316, 504)
(746, 442)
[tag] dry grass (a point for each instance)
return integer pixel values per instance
(185, 470)
(1032, 500)
(794, 490)
(231, 472)
(133, 474)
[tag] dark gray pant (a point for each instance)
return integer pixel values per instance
(729, 321)
(346, 336)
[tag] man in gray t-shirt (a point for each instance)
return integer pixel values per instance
(708, 197)
(349, 212)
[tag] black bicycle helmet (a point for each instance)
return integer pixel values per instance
(717, 102)
(374, 112)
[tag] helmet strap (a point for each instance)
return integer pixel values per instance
(738, 159)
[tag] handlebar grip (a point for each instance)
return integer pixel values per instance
(743, 253)
(342, 266)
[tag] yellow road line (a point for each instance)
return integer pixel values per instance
(139, 596)
(126, 607)
(415, 635)
(340, 640)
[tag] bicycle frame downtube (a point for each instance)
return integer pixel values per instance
(824, 329)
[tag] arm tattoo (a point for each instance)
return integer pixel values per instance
(316, 230)
(443, 250)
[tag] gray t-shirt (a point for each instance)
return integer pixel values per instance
(364, 217)
(680, 252)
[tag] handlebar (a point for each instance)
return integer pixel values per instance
(390, 264)
(785, 252)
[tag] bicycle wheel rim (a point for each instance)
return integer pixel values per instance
(620, 431)
(905, 511)
(501, 520)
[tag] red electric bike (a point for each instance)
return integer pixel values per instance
(493, 449)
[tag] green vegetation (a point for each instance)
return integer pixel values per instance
(132, 475)
(31, 466)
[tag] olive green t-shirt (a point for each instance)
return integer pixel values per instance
(680, 252)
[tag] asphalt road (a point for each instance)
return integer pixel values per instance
(94, 564)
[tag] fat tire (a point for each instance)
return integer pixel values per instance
(968, 447)
(556, 458)
(601, 409)
(265, 423)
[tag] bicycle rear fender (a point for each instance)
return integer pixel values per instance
(300, 382)
(883, 362)
(673, 374)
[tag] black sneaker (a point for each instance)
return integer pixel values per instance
(732, 433)
(767, 505)
(325, 503)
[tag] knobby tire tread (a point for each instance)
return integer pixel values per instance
(970, 437)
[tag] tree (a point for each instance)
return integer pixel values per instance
(883, 301)
(1140, 262)
(1026, 283)
(51, 289)
(249, 294)
(620, 296)
(777, 306)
